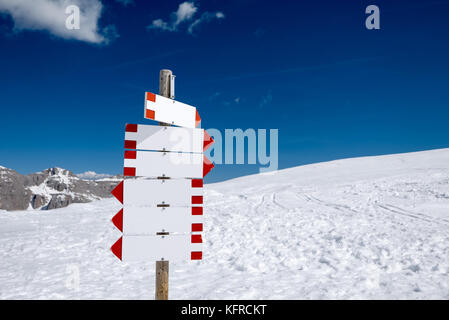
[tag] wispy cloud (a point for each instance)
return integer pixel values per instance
(231, 102)
(259, 33)
(50, 16)
(205, 17)
(266, 99)
(92, 175)
(299, 69)
(224, 99)
(185, 14)
(125, 2)
(214, 96)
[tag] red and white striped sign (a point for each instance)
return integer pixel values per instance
(170, 111)
(162, 219)
(166, 164)
(160, 192)
(163, 138)
(151, 220)
(152, 248)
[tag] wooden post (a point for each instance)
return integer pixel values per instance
(161, 280)
(164, 82)
(162, 266)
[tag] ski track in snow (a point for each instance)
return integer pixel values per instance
(366, 228)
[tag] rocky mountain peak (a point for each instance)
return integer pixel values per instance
(49, 189)
(56, 171)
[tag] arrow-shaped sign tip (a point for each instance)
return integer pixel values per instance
(197, 119)
(207, 166)
(118, 192)
(208, 141)
(117, 248)
(118, 220)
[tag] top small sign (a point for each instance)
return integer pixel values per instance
(169, 111)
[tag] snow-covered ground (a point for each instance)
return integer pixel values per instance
(375, 227)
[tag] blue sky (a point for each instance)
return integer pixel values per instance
(308, 68)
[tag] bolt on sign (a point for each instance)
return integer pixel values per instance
(162, 190)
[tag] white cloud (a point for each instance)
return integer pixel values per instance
(160, 24)
(205, 17)
(185, 12)
(92, 175)
(50, 16)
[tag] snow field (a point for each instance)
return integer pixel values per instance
(362, 228)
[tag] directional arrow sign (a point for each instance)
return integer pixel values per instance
(155, 248)
(163, 138)
(166, 164)
(160, 192)
(170, 111)
(172, 206)
(150, 220)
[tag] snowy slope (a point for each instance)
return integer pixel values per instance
(375, 227)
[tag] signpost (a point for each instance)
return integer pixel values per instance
(162, 190)
(169, 111)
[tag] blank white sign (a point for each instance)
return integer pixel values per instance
(161, 138)
(170, 111)
(154, 248)
(150, 220)
(166, 164)
(152, 192)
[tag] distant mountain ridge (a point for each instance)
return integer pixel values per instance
(50, 189)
